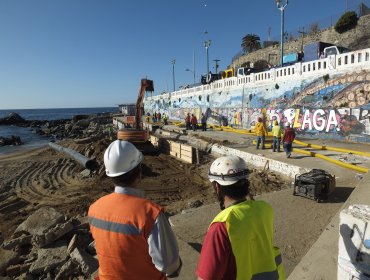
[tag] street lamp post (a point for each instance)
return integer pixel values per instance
(206, 45)
(281, 7)
(173, 73)
(187, 69)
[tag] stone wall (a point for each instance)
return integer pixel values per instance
(358, 38)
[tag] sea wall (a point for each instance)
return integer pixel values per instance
(355, 39)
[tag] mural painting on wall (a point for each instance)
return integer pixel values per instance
(337, 104)
(342, 122)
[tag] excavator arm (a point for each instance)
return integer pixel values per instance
(138, 135)
(146, 85)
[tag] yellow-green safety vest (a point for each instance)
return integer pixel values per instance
(249, 226)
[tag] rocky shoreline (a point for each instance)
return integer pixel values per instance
(49, 244)
(80, 126)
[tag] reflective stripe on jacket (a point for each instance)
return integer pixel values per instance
(121, 225)
(249, 225)
(260, 129)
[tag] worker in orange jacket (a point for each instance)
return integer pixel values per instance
(133, 237)
(187, 121)
(194, 122)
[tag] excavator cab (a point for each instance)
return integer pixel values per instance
(136, 134)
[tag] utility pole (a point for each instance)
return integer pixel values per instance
(282, 7)
(303, 33)
(206, 45)
(216, 64)
(173, 73)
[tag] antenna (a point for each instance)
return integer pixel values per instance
(268, 34)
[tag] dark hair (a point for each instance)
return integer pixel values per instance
(128, 178)
(236, 191)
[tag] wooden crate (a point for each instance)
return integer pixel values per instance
(181, 151)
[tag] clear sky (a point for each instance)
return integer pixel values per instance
(93, 53)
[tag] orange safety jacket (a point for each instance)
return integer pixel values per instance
(120, 225)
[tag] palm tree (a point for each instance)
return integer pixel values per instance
(251, 42)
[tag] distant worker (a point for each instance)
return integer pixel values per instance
(155, 117)
(187, 121)
(159, 117)
(110, 132)
(194, 122)
(261, 132)
(165, 119)
(203, 120)
(276, 133)
(239, 241)
(288, 138)
(147, 117)
(133, 237)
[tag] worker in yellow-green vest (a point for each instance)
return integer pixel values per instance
(276, 133)
(261, 132)
(239, 241)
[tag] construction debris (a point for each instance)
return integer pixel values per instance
(48, 243)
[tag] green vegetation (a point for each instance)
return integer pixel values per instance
(326, 77)
(251, 42)
(261, 65)
(346, 22)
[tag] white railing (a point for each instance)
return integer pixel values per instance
(353, 59)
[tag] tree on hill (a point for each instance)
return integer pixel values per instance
(251, 42)
(346, 22)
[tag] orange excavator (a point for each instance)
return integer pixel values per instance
(137, 134)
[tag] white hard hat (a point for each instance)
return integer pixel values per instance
(121, 157)
(228, 170)
(287, 124)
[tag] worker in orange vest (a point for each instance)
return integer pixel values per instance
(133, 237)
(194, 122)
(187, 121)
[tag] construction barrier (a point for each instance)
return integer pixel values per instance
(181, 151)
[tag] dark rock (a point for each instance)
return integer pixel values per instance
(9, 141)
(12, 119)
(195, 204)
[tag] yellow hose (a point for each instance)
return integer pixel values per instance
(331, 148)
(335, 161)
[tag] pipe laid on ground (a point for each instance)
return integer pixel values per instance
(335, 161)
(90, 164)
(300, 143)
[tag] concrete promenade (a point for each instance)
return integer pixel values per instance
(320, 259)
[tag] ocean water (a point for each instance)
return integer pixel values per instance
(29, 138)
